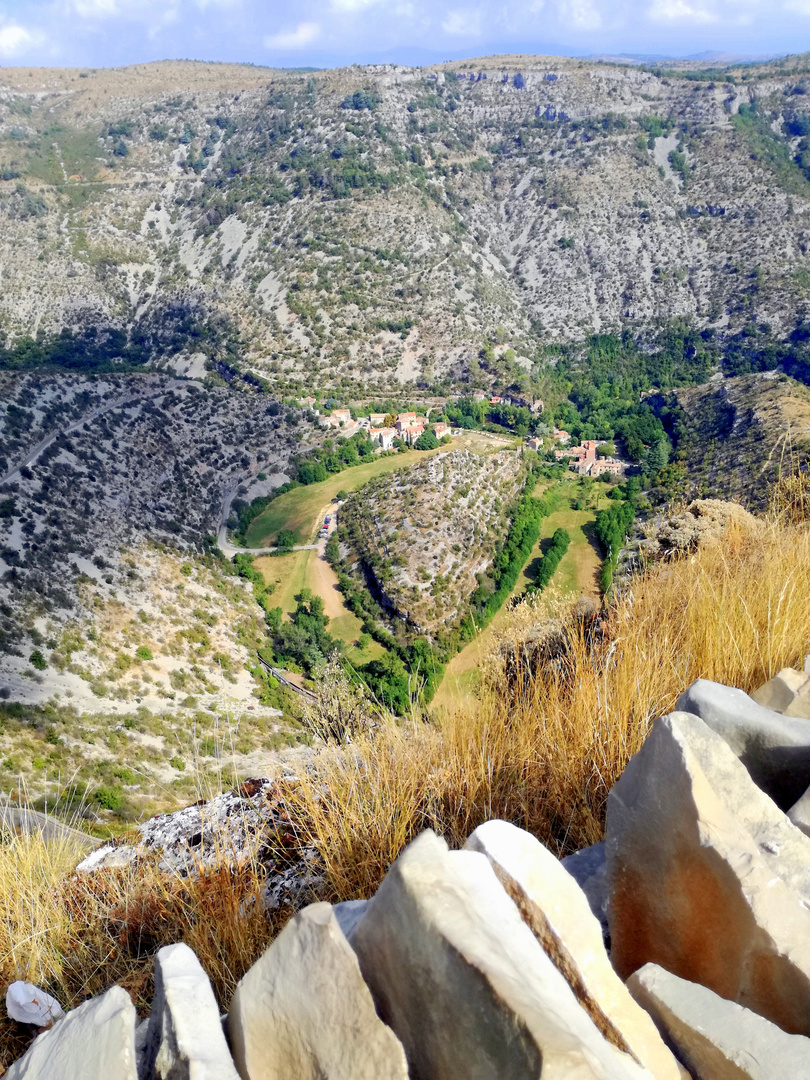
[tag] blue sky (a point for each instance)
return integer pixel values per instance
(325, 33)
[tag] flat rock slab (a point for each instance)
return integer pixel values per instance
(465, 984)
(714, 1038)
(95, 1041)
(707, 877)
(556, 911)
(303, 1012)
(774, 748)
(185, 1040)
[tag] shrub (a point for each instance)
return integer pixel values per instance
(37, 660)
(109, 798)
(361, 99)
(143, 652)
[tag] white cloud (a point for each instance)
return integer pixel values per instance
(304, 34)
(352, 5)
(582, 14)
(680, 11)
(96, 9)
(15, 39)
(462, 22)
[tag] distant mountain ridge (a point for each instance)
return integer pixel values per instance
(386, 225)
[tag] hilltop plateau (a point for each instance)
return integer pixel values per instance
(389, 224)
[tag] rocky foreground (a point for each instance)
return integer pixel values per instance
(678, 947)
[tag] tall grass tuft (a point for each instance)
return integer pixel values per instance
(77, 935)
(552, 734)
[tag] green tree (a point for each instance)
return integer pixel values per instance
(38, 660)
(427, 440)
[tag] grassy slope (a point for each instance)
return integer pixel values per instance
(577, 573)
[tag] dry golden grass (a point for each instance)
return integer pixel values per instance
(546, 743)
(77, 935)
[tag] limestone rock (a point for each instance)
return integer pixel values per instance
(349, 914)
(465, 984)
(788, 693)
(775, 749)
(96, 1041)
(185, 1040)
(557, 912)
(717, 1039)
(707, 878)
(587, 868)
(799, 813)
(303, 1012)
(230, 826)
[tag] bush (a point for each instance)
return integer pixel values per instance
(109, 798)
(38, 660)
(143, 652)
(361, 99)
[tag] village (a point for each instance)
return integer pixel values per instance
(586, 459)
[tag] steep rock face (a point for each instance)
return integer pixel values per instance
(380, 221)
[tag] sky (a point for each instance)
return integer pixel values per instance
(330, 33)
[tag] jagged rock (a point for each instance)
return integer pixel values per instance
(185, 1040)
(303, 1012)
(96, 1041)
(28, 1004)
(231, 826)
(703, 521)
(788, 692)
(775, 749)
(463, 981)
(557, 912)
(799, 813)
(587, 868)
(707, 878)
(349, 914)
(714, 1038)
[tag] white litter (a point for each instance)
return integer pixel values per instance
(28, 1004)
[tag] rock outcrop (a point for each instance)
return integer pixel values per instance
(184, 1040)
(303, 1012)
(775, 749)
(557, 912)
(463, 981)
(490, 961)
(707, 878)
(230, 827)
(714, 1038)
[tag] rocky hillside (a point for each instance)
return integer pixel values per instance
(737, 436)
(92, 467)
(425, 537)
(382, 224)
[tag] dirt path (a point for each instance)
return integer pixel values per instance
(324, 583)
